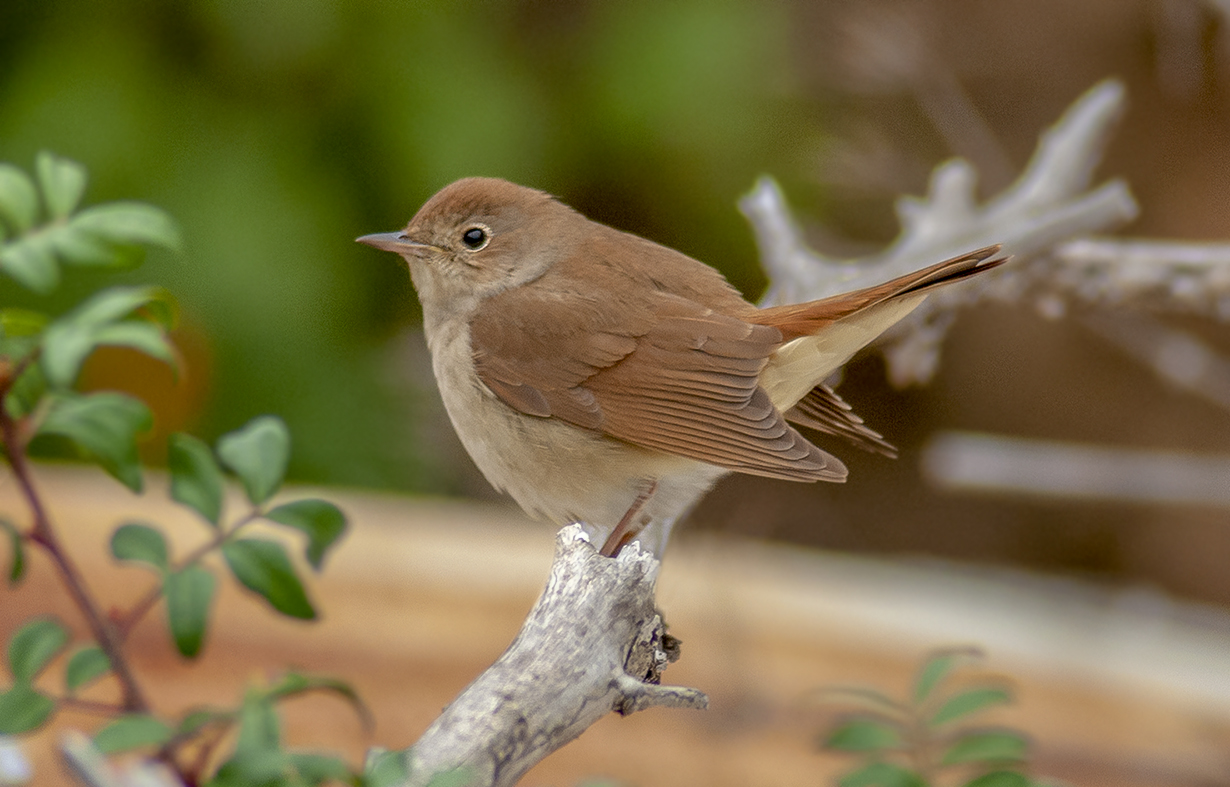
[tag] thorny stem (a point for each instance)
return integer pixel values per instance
(139, 610)
(45, 536)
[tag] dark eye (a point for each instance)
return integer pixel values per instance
(474, 238)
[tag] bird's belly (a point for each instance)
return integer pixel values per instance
(563, 473)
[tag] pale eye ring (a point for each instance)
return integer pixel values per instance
(476, 238)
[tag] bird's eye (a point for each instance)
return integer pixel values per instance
(475, 238)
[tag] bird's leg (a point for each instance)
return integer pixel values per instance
(626, 530)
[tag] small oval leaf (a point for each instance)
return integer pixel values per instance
(132, 732)
(15, 321)
(1000, 779)
(969, 702)
(190, 595)
(34, 645)
(142, 543)
(863, 735)
(105, 425)
(997, 746)
(196, 479)
(385, 768)
(263, 567)
(316, 769)
(260, 730)
(129, 223)
(258, 454)
(294, 683)
(27, 392)
(323, 522)
(938, 667)
(86, 665)
(882, 774)
(70, 339)
(18, 198)
(23, 709)
(144, 337)
(30, 263)
(63, 183)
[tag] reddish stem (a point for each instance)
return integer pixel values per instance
(44, 535)
(125, 624)
(90, 706)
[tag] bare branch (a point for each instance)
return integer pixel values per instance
(593, 644)
(995, 464)
(1050, 203)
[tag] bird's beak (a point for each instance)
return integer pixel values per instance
(396, 242)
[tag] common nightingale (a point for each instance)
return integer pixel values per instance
(600, 378)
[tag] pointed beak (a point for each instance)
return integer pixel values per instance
(395, 242)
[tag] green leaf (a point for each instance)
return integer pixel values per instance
(196, 479)
(27, 392)
(77, 247)
(63, 183)
(105, 425)
(969, 702)
(70, 339)
(258, 454)
(132, 732)
(318, 768)
(294, 683)
(23, 709)
(18, 567)
(259, 727)
(882, 774)
(263, 567)
(129, 223)
(385, 769)
(323, 522)
(21, 322)
(190, 594)
(113, 303)
(938, 667)
(863, 735)
(35, 644)
(86, 665)
(264, 768)
(30, 263)
(458, 777)
(1000, 779)
(998, 746)
(862, 698)
(134, 541)
(144, 337)
(18, 198)
(197, 719)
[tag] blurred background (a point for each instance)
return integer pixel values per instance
(276, 132)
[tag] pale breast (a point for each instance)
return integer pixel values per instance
(554, 470)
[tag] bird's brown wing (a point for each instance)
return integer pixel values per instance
(823, 410)
(651, 368)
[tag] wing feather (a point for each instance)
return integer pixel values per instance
(663, 372)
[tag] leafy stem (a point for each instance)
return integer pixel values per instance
(139, 610)
(43, 534)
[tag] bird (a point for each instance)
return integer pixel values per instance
(600, 378)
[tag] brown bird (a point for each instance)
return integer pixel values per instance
(600, 378)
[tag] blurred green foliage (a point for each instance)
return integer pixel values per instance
(278, 131)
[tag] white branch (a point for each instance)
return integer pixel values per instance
(1050, 203)
(995, 464)
(593, 644)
